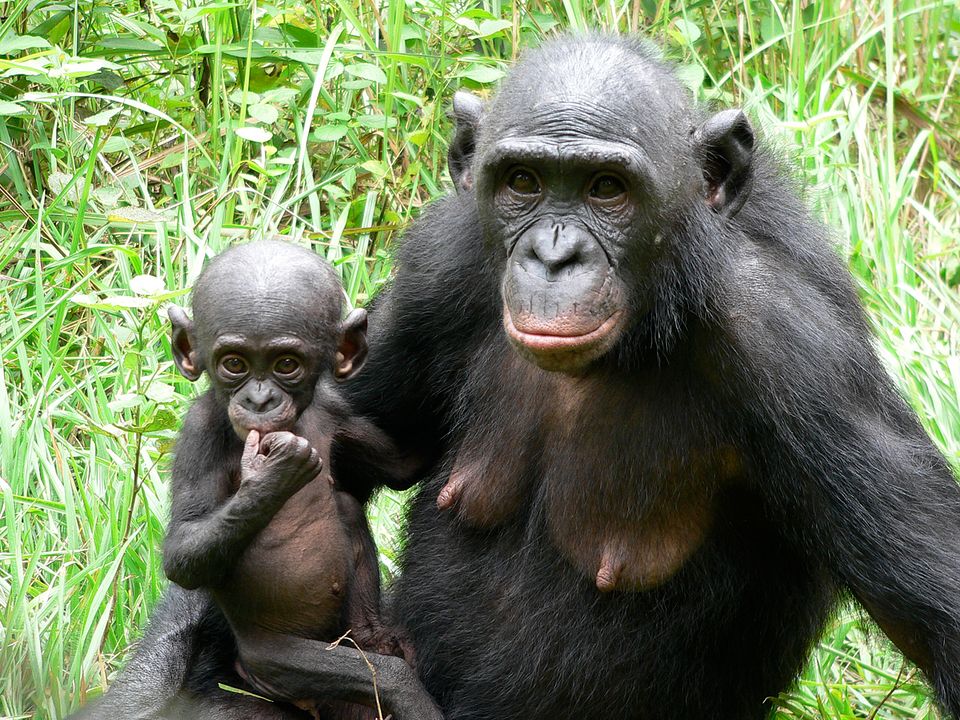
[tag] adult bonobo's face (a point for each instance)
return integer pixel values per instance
(266, 328)
(583, 166)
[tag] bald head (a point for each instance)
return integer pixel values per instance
(594, 86)
(268, 287)
(266, 327)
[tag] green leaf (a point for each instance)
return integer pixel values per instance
(376, 122)
(254, 134)
(160, 392)
(687, 30)
(11, 108)
(692, 76)
(103, 118)
(492, 27)
(329, 133)
(264, 112)
(147, 285)
(367, 71)
(12, 44)
(131, 44)
(483, 74)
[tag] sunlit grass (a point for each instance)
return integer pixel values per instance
(137, 140)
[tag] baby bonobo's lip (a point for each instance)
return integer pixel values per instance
(279, 419)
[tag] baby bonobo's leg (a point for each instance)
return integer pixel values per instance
(363, 612)
(299, 668)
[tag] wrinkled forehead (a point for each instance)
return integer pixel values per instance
(594, 91)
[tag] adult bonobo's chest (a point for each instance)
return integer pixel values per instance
(622, 469)
(582, 545)
(592, 563)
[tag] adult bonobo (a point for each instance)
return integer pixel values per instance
(664, 443)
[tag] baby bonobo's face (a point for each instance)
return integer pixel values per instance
(267, 381)
(266, 329)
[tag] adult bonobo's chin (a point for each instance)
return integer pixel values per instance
(578, 188)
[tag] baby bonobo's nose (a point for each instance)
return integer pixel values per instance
(260, 397)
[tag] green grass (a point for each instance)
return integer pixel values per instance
(138, 138)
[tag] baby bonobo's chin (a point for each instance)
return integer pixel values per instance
(282, 417)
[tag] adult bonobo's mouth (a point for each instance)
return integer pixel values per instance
(561, 353)
(563, 304)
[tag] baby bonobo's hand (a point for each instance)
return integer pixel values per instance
(279, 464)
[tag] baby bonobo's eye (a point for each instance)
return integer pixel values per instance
(287, 365)
(233, 365)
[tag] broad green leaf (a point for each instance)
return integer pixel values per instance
(11, 108)
(264, 112)
(329, 133)
(11, 44)
(104, 117)
(367, 71)
(483, 74)
(254, 134)
(147, 285)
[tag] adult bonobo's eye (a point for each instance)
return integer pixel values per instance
(607, 188)
(233, 365)
(523, 182)
(287, 366)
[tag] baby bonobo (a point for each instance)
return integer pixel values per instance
(257, 518)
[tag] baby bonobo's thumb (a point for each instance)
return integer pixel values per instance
(250, 447)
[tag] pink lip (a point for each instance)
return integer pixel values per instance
(556, 343)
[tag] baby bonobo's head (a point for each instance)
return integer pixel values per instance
(266, 327)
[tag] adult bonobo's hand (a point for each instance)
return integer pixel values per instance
(278, 465)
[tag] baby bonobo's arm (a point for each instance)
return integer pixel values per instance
(365, 457)
(210, 529)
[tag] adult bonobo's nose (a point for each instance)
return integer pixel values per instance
(557, 251)
(260, 397)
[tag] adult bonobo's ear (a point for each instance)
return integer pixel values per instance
(467, 111)
(724, 147)
(181, 340)
(352, 350)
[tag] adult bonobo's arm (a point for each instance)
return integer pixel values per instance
(208, 527)
(423, 329)
(845, 465)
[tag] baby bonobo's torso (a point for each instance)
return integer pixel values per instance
(293, 576)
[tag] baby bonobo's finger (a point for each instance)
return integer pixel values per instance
(302, 448)
(250, 447)
(276, 442)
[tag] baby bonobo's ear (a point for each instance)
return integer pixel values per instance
(181, 340)
(352, 350)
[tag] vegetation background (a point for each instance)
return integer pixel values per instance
(138, 137)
